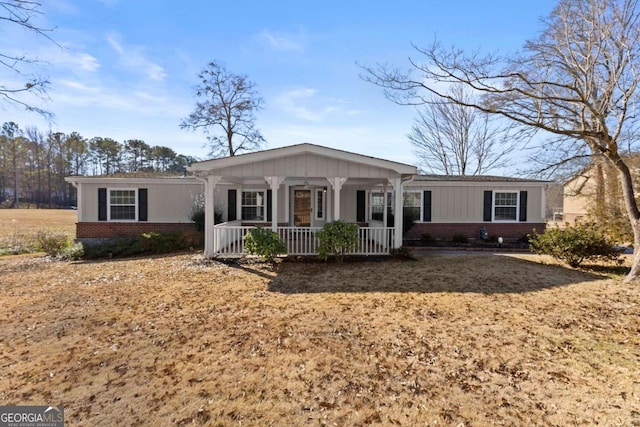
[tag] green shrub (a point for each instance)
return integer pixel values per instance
(459, 238)
(265, 243)
(53, 242)
(574, 244)
(148, 243)
(159, 243)
(337, 238)
(162, 243)
(72, 252)
(114, 248)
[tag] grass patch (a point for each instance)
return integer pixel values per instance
(446, 340)
(19, 228)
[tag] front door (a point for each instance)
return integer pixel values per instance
(302, 208)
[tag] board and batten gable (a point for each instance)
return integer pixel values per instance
(303, 165)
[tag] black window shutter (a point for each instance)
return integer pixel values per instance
(102, 204)
(232, 202)
(143, 214)
(269, 205)
(426, 206)
(523, 206)
(360, 206)
(488, 202)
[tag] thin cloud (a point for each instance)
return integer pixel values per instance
(133, 59)
(290, 101)
(71, 59)
(80, 87)
(147, 97)
(305, 104)
(282, 43)
(115, 45)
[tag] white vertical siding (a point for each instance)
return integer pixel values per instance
(464, 203)
(166, 202)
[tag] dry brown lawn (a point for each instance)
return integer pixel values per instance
(459, 340)
(20, 227)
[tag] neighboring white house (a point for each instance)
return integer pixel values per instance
(295, 190)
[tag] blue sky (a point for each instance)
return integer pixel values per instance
(126, 68)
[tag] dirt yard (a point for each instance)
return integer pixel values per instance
(447, 340)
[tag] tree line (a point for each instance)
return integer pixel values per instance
(33, 164)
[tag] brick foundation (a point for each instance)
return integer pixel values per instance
(511, 230)
(102, 230)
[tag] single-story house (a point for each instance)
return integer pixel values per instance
(295, 190)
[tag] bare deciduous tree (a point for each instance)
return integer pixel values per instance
(229, 103)
(21, 13)
(577, 80)
(452, 139)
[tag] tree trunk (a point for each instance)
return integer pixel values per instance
(634, 274)
(16, 198)
(632, 211)
(600, 185)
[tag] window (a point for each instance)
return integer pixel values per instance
(505, 206)
(320, 192)
(253, 205)
(411, 205)
(377, 205)
(122, 205)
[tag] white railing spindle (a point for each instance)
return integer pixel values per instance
(229, 239)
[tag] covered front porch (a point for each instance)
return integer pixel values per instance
(229, 240)
(295, 191)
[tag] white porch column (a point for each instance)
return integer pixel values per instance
(336, 183)
(329, 207)
(397, 223)
(274, 182)
(209, 209)
(385, 201)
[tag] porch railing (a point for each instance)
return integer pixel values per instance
(229, 239)
(300, 240)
